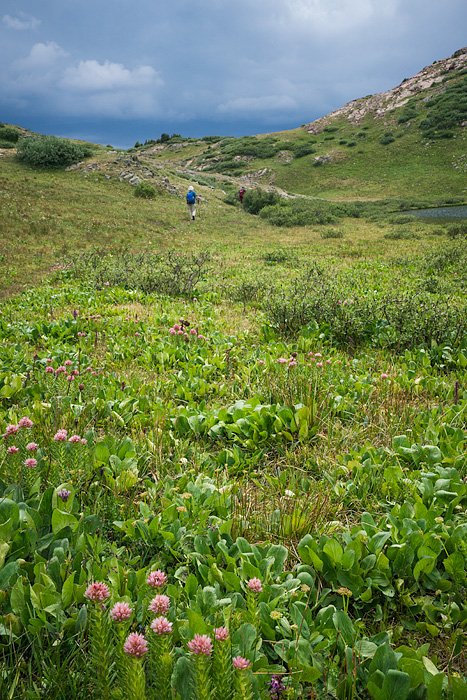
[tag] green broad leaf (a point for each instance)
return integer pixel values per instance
(396, 685)
(377, 542)
(17, 597)
(101, 453)
(232, 580)
(68, 591)
(4, 547)
(455, 565)
(244, 638)
(9, 511)
(384, 659)
(344, 625)
(6, 573)
(182, 678)
(196, 623)
(62, 519)
(435, 687)
(279, 553)
(422, 566)
(191, 585)
(458, 687)
(334, 551)
(415, 670)
(375, 683)
(365, 649)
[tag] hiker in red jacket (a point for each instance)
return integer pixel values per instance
(240, 195)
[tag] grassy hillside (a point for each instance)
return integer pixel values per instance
(236, 429)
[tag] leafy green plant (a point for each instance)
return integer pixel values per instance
(50, 152)
(145, 190)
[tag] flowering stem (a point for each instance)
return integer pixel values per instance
(100, 651)
(203, 687)
(161, 664)
(136, 684)
(222, 670)
(244, 690)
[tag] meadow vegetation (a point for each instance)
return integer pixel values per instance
(233, 456)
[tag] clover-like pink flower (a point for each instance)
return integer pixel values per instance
(74, 438)
(97, 592)
(161, 625)
(200, 644)
(156, 579)
(11, 429)
(221, 634)
(254, 584)
(135, 645)
(13, 450)
(25, 422)
(60, 435)
(160, 604)
(121, 611)
(32, 446)
(240, 663)
(30, 463)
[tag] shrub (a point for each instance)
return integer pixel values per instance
(145, 190)
(303, 149)
(50, 152)
(7, 134)
(332, 233)
(299, 212)
(458, 230)
(387, 138)
(257, 199)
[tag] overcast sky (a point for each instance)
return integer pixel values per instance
(122, 71)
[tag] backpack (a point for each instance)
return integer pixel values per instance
(190, 198)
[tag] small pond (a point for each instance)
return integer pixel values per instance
(443, 213)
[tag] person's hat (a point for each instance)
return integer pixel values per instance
(191, 187)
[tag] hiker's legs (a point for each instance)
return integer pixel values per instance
(192, 210)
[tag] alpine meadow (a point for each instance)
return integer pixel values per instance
(233, 457)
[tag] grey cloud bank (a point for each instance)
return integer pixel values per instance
(125, 71)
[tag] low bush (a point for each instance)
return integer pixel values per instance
(255, 200)
(458, 230)
(8, 134)
(50, 152)
(303, 149)
(387, 138)
(331, 233)
(145, 190)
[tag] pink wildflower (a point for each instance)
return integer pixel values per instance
(200, 644)
(318, 354)
(75, 438)
(221, 634)
(84, 441)
(384, 376)
(176, 327)
(25, 422)
(97, 592)
(11, 429)
(68, 363)
(261, 362)
(106, 284)
(180, 332)
(49, 370)
(172, 331)
(70, 378)
(60, 435)
(240, 663)
(156, 579)
(319, 364)
(254, 584)
(135, 645)
(282, 361)
(32, 446)
(160, 604)
(12, 450)
(292, 363)
(48, 360)
(161, 625)
(60, 370)
(192, 331)
(121, 612)
(30, 463)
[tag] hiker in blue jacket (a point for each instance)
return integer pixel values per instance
(191, 199)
